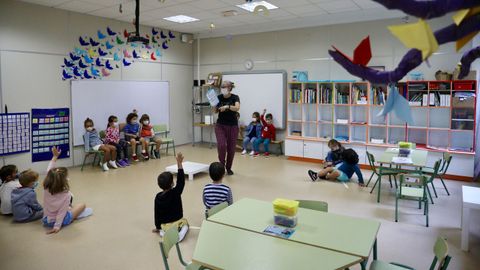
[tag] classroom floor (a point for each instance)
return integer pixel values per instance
(118, 235)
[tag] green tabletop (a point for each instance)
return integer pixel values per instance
(349, 235)
(419, 157)
(225, 247)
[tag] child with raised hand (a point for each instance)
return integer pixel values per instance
(168, 203)
(25, 206)
(132, 130)
(9, 177)
(268, 134)
(148, 134)
(216, 192)
(343, 171)
(57, 197)
(92, 141)
(112, 137)
(252, 133)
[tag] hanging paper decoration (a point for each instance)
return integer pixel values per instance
(94, 56)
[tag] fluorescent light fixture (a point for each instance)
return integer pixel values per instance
(250, 6)
(181, 19)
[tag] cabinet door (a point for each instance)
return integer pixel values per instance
(313, 149)
(294, 148)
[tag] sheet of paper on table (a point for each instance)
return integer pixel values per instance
(402, 160)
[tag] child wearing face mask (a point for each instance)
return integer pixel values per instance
(25, 206)
(8, 174)
(268, 134)
(112, 137)
(92, 141)
(252, 133)
(132, 136)
(148, 134)
(334, 156)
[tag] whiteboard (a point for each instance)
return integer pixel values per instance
(100, 99)
(258, 91)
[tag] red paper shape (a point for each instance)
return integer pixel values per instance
(362, 53)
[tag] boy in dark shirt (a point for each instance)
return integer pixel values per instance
(168, 203)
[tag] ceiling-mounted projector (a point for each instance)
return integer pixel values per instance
(136, 38)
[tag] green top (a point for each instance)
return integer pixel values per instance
(225, 247)
(349, 235)
(419, 157)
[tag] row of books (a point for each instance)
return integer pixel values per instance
(310, 96)
(432, 99)
(326, 95)
(295, 96)
(379, 95)
(359, 96)
(342, 98)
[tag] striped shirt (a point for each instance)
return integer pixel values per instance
(214, 194)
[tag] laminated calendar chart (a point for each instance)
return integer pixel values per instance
(14, 133)
(50, 127)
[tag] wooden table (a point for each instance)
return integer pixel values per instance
(347, 235)
(471, 200)
(419, 160)
(224, 247)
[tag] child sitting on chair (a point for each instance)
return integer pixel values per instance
(252, 133)
(168, 203)
(92, 141)
(268, 134)
(343, 171)
(148, 134)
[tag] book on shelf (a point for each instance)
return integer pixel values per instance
(341, 97)
(379, 95)
(379, 141)
(359, 96)
(326, 94)
(295, 96)
(296, 133)
(310, 96)
(342, 121)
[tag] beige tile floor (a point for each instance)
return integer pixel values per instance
(118, 235)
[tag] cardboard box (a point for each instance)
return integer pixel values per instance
(463, 103)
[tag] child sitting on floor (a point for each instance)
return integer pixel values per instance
(268, 134)
(342, 171)
(10, 181)
(252, 133)
(25, 206)
(168, 203)
(334, 156)
(216, 192)
(57, 197)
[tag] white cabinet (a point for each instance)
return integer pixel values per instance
(313, 149)
(294, 148)
(304, 149)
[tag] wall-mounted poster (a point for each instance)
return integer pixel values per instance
(50, 127)
(14, 133)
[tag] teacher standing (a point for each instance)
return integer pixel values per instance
(226, 129)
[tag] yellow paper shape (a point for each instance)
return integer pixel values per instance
(261, 8)
(459, 16)
(417, 35)
(91, 53)
(458, 19)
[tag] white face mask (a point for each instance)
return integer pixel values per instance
(254, 119)
(146, 122)
(115, 124)
(89, 128)
(224, 91)
(133, 122)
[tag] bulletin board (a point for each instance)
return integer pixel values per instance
(50, 127)
(14, 133)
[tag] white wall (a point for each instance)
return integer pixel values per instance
(307, 49)
(33, 41)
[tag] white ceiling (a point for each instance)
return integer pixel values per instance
(291, 14)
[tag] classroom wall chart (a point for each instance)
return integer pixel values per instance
(14, 133)
(50, 127)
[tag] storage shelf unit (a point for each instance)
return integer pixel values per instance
(443, 113)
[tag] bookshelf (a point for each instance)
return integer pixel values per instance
(443, 112)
